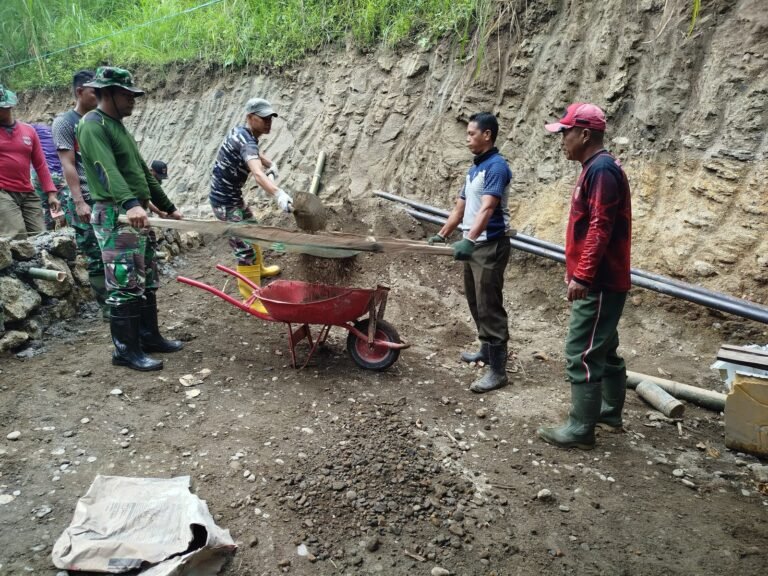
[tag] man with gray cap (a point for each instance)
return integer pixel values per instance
(239, 156)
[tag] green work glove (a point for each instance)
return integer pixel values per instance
(436, 239)
(462, 250)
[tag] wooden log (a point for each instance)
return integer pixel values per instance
(699, 396)
(301, 241)
(660, 399)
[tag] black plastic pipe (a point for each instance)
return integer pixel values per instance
(558, 248)
(742, 308)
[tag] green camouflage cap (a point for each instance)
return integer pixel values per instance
(107, 76)
(7, 98)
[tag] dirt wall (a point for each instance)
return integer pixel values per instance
(686, 115)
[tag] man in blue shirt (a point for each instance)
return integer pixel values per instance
(482, 213)
(238, 157)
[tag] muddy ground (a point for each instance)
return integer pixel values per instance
(395, 472)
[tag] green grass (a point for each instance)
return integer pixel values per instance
(269, 33)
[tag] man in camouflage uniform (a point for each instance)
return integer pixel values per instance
(238, 157)
(78, 202)
(121, 183)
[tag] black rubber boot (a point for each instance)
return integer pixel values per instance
(496, 374)
(124, 325)
(479, 356)
(149, 331)
(579, 430)
(614, 391)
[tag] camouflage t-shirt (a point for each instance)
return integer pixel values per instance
(64, 136)
(230, 171)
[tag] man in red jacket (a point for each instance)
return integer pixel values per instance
(20, 213)
(597, 250)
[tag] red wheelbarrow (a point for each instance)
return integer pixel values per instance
(373, 343)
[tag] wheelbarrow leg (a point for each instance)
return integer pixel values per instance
(294, 337)
(319, 340)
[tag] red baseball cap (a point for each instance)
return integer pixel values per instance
(580, 114)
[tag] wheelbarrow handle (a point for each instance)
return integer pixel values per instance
(255, 287)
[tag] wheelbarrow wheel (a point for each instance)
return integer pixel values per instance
(373, 357)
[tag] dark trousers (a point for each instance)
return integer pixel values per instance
(484, 287)
(593, 339)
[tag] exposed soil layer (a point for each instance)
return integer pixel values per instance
(685, 116)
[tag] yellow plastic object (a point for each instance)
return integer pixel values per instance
(746, 415)
(266, 271)
(254, 275)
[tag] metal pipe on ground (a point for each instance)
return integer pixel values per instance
(704, 398)
(714, 300)
(46, 274)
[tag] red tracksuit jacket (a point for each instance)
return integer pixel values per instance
(599, 235)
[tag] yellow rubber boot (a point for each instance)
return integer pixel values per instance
(252, 273)
(266, 271)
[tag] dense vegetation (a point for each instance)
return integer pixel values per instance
(227, 32)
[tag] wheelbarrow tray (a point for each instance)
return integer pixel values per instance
(373, 343)
(306, 303)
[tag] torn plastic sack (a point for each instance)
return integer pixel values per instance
(155, 525)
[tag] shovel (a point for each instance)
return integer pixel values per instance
(308, 211)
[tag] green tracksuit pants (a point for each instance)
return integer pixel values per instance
(593, 338)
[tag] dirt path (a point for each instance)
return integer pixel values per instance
(395, 472)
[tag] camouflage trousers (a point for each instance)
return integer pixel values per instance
(128, 254)
(85, 237)
(242, 249)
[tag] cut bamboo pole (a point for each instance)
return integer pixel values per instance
(657, 397)
(704, 398)
(47, 274)
(319, 165)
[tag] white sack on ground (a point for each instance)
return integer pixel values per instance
(122, 524)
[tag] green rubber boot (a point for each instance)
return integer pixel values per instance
(579, 430)
(614, 392)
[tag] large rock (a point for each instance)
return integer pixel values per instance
(62, 309)
(33, 327)
(17, 298)
(6, 259)
(12, 339)
(23, 250)
(51, 287)
(79, 271)
(64, 247)
(192, 239)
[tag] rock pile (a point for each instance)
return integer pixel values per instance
(385, 490)
(29, 304)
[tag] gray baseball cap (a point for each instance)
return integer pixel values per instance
(260, 107)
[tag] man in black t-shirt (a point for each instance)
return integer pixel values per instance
(79, 203)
